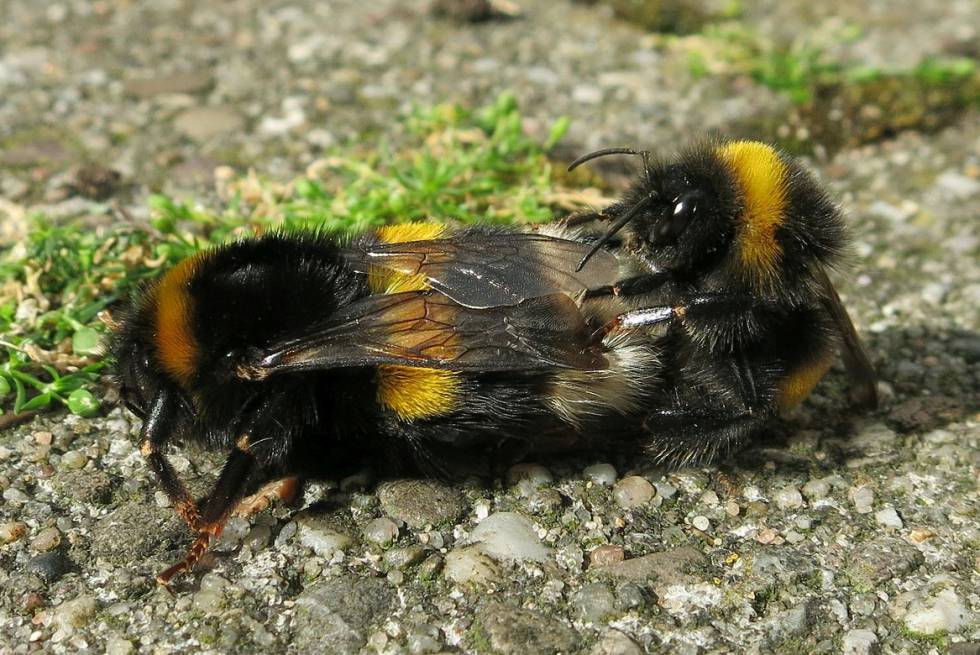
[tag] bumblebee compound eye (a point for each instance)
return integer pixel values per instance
(676, 219)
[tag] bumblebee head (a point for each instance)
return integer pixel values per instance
(738, 206)
(136, 369)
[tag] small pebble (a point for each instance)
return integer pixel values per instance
(614, 642)
(321, 539)
(665, 489)
(118, 646)
(12, 531)
(535, 474)
(470, 565)
(701, 523)
(633, 491)
(15, 495)
(605, 555)
(710, 498)
(74, 459)
(788, 498)
(48, 566)
(593, 603)
(756, 508)
(767, 536)
(510, 537)
(862, 497)
(918, 535)
(400, 558)
(381, 531)
(75, 613)
(47, 539)
(860, 642)
(602, 474)
(889, 518)
(395, 577)
(816, 489)
(732, 508)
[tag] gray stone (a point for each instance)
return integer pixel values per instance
(614, 642)
(339, 612)
(381, 531)
(48, 566)
(536, 474)
(518, 631)
(401, 558)
(203, 123)
(664, 568)
(186, 82)
(76, 612)
(321, 535)
(421, 503)
(860, 642)
(593, 603)
(879, 560)
(939, 611)
(602, 474)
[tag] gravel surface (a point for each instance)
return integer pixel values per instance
(837, 533)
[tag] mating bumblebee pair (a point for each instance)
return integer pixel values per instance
(674, 322)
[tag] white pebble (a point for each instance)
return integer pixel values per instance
(508, 536)
(633, 491)
(789, 497)
(889, 518)
(701, 523)
(603, 474)
(862, 497)
(860, 642)
(469, 565)
(943, 612)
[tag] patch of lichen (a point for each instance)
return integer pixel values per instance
(845, 113)
(673, 16)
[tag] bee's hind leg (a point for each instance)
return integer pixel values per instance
(684, 436)
(216, 507)
(285, 490)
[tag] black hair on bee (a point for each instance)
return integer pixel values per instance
(734, 238)
(413, 346)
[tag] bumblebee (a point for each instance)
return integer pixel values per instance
(732, 241)
(414, 347)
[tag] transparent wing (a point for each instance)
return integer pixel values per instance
(856, 359)
(483, 268)
(424, 328)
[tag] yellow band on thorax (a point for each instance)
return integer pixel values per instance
(760, 174)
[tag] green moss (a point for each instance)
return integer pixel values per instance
(673, 16)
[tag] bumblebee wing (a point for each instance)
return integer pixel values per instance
(481, 269)
(424, 328)
(856, 359)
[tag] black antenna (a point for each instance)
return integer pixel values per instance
(616, 227)
(603, 152)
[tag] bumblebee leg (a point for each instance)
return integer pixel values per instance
(686, 436)
(154, 435)
(285, 490)
(699, 430)
(217, 506)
